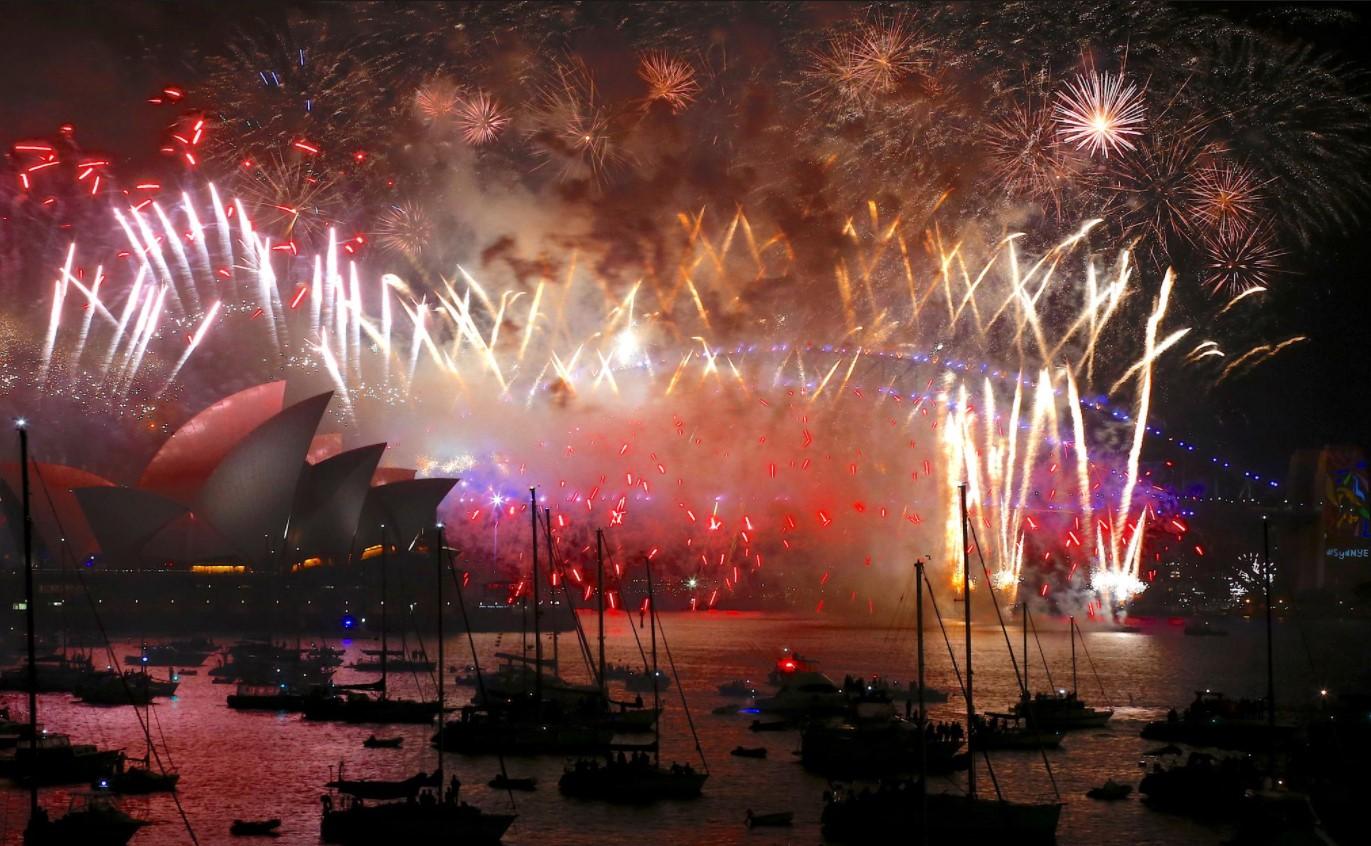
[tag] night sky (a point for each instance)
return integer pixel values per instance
(90, 65)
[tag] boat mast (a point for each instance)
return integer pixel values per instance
(438, 560)
(656, 699)
(1270, 655)
(600, 606)
(385, 647)
(966, 611)
(922, 724)
(1026, 688)
(34, 810)
(547, 534)
(1074, 686)
(537, 609)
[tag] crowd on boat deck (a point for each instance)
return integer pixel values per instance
(944, 731)
(888, 789)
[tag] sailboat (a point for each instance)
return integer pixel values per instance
(899, 808)
(91, 819)
(1061, 710)
(640, 778)
(141, 778)
(426, 817)
(355, 707)
(523, 710)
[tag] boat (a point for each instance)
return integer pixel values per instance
(901, 808)
(748, 752)
(90, 820)
(741, 688)
(427, 817)
(178, 653)
(1213, 719)
(59, 673)
(788, 664)
(394, 660)
(385, 789)
(1110, 791)
(805, 694)
(428, 820)
(255, 828)
(51, 758)
(351, 706)
(138, 780)
(504, 782)
(1060, 710)
(482, 731)
(131, 687)
(776, 819)
(897, 810)
(868, 750)
(641, 778)
(269, 697)
(771, 725)
(1007, 732)
(1204, 786)
(643, 682)
(374, 742)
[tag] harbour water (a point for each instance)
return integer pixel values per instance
(258, 765)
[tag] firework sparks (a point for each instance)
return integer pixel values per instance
(437, 100)
(480, 119)
(669, 80)
(1226, 198)
(404, 229)
(1238, 261)
(1100, 113)
(873, 61)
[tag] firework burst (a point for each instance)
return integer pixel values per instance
(1151, 186)
(1226, 198)
(437, 100)
(572, 125)
(669, 80)
(480, 119)
(295, 199)
(1100, 113)
(1026, 159)
(1238, 260)
(404, 229)
(872, 62)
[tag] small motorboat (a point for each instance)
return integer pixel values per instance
(749, 752)
(777, 819)
(774, 725)
(725, 709)
(255, 828)
(186, 673)
(741, 688)
(504, 782)
(1110, 791)
(374, 742)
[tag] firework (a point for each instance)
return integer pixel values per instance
(480, 119)
(669, 80)
(1236, 261)
(1026, 158)
(437, 100)
(1152, 186)
(404, 229)
(296, 199)
(872, 61)
(1100, 113)
(572, 124)
(1226, 198)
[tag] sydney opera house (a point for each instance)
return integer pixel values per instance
(245, 493)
